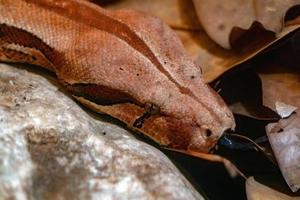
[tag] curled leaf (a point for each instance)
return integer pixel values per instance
(215, 60)
(280, 86)
(219, 18)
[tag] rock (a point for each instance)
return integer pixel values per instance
(51, 149)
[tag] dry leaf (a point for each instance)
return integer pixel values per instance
(258, 191)
(280, 86)
(214, 60)
(275, 84)
(284, 138)
(219, 18)
(177, 13)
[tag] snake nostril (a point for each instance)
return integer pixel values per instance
(207, 132)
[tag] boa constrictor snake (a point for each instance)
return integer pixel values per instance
(124, 63)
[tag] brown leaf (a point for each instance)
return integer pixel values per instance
(278, 88)
(214, 60)
(280, 83)
(219, 18)
(275, 84)
(284, 138)
(177, 13)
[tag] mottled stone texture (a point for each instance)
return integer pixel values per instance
(51, 149)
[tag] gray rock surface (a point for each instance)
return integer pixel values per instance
(51, 149)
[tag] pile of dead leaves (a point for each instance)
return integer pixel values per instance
(249, 51)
